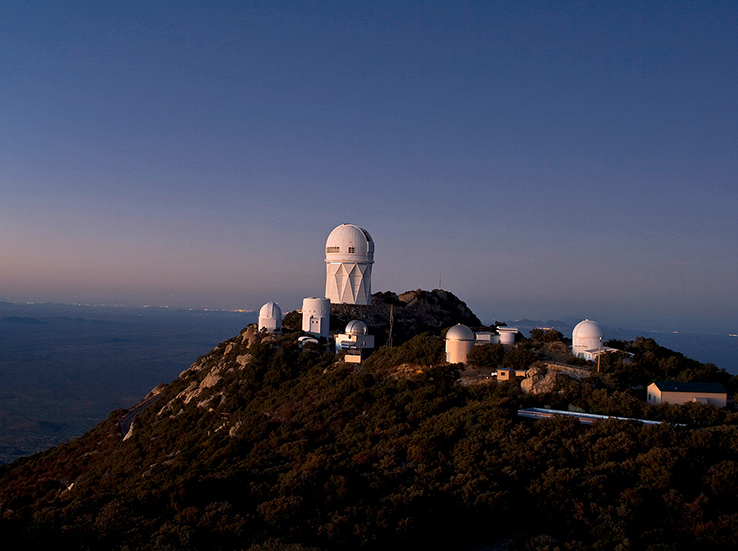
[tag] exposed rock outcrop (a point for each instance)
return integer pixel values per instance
(540, 380)
(414, 312)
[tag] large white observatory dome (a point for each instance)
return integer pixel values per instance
(349, 242)
(459, 342)
(270, 316)
(587, 335)
(349, 255)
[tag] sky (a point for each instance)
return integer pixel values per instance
(538, 159)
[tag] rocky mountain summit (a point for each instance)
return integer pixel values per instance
(412, 312)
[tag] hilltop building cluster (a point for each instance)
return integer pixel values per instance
(349, 258)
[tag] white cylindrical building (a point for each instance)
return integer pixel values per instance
(586, 338)
(349, 255)
(507, 335)
(270, 317)
(459, 342)
(316, 316)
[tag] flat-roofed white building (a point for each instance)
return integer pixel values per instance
(507, 335)
(486, 337)
(316, 316)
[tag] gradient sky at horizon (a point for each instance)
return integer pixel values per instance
(540, 159)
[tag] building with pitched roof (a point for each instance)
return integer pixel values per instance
(673, 392)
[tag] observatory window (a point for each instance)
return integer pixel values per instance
(331, 249)
(352, 250)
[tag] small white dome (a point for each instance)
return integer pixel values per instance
(460, 333)
(271, 310)
(349, 243)
(587, 329)
(270, 317)
(356, 327)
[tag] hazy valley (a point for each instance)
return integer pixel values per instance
(64, 368)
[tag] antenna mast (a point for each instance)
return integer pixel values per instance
(392, 321)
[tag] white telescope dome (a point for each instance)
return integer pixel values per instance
(460, 333)
(356, 327)
(587, 329)
(349, 243)
(270, 310)
(586, 337)
(270, 316)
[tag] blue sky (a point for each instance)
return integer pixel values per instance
(542, 159)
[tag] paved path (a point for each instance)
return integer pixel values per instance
(125, 424)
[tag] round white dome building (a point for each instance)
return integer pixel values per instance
(459, 342)
(586, 337)
(270, 317)
(349, 255)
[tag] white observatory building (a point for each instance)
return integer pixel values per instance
(270, 317)
(459, 342)
(507, 335)
(316, 316)
(354, 340)
(349, 255)
(586, 340)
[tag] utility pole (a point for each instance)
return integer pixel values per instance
(392, 321)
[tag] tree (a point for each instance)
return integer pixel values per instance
(487, 355)
(518, 358)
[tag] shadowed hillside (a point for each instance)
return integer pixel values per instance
(261, 444)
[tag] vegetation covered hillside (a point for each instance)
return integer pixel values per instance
(264, 445)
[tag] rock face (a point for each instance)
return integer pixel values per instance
(221, 361)
(414, 312)
(539, 380)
